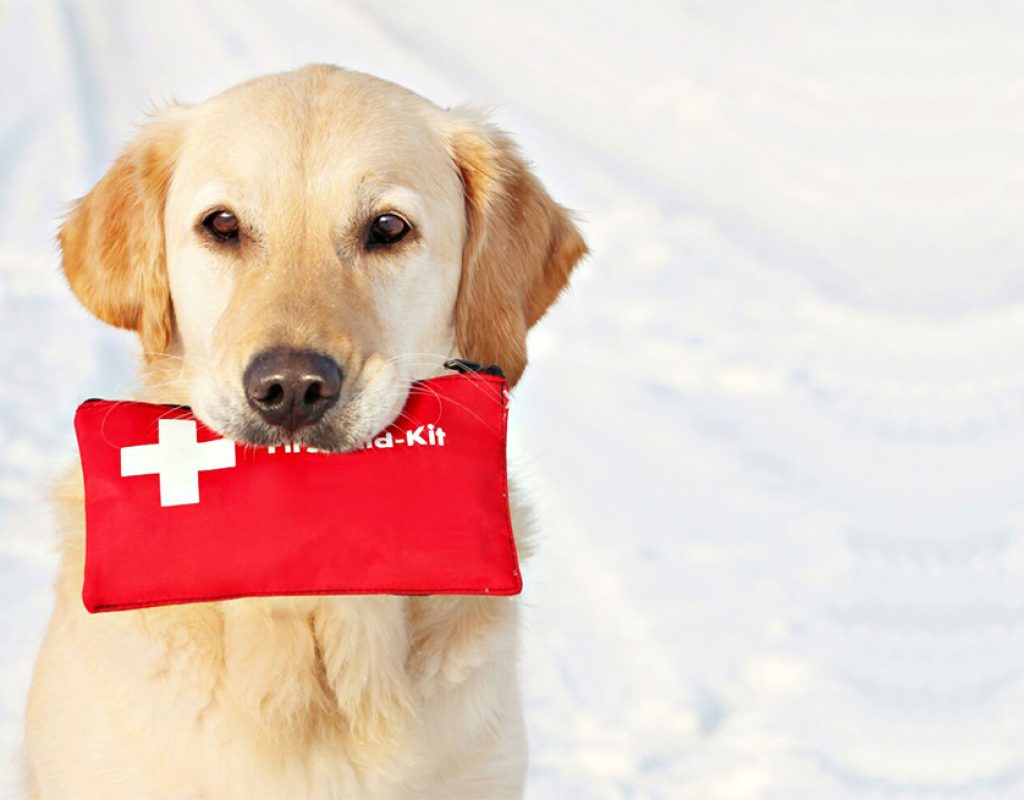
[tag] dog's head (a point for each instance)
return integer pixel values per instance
(294, 252)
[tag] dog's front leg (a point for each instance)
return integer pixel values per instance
(270, 663)
(364, 644)
(455, 636)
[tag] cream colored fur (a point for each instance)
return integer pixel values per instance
(282, 698)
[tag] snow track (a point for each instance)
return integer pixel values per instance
(776, 431)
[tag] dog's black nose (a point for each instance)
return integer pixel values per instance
(292, 388)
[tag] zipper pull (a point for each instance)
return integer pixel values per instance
(464, 367)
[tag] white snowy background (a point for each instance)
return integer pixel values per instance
(776, 431)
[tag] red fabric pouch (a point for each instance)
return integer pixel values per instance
(175, 514)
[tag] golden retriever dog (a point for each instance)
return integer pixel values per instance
(293, 253)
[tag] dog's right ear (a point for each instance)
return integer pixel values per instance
(113, 239)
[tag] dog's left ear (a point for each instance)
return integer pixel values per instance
(520, 247)
(113, 239)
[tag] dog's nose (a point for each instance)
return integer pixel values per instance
(292, 388)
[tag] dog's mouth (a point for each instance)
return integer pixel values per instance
(321, 436)
(348, 432)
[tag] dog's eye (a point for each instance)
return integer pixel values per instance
(387, 229)
(222, 224)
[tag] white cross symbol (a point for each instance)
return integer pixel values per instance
(177, 459)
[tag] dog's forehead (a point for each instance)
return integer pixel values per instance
(329, 127)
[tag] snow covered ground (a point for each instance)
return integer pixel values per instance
(776, 431)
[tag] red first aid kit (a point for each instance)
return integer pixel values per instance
(176, 514)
